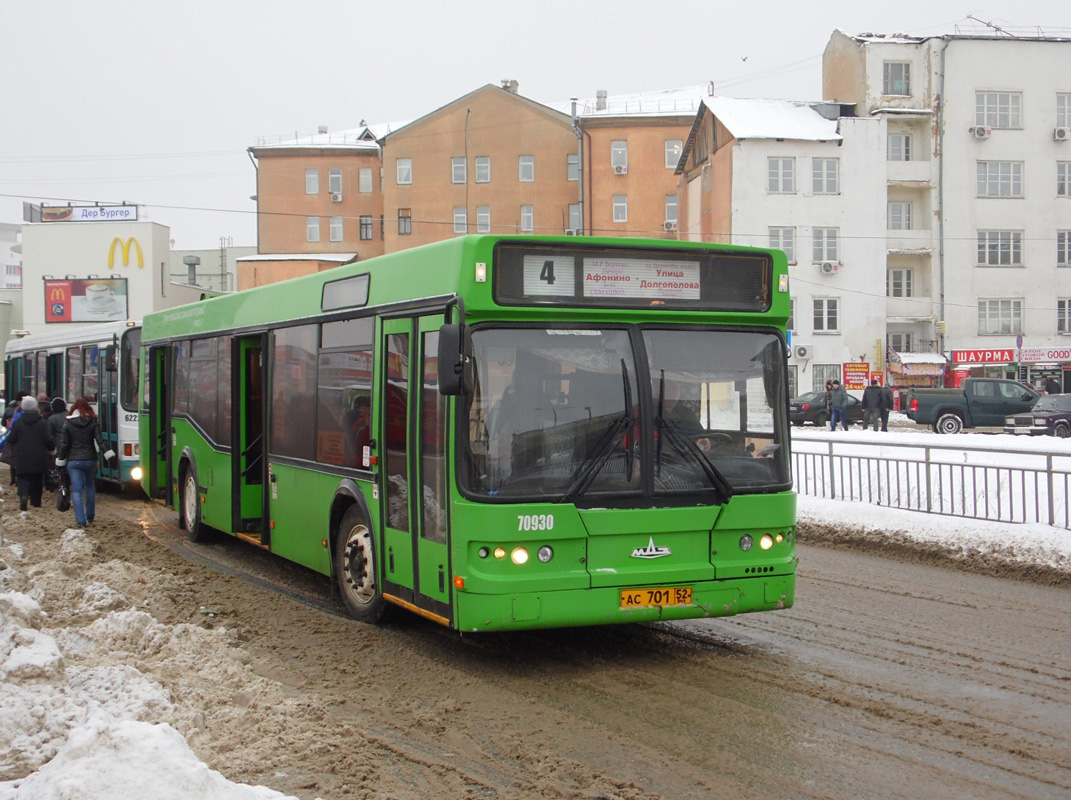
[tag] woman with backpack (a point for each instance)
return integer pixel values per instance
(80, 442)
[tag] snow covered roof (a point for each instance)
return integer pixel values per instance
(363, 137)
(341, 258)
(772, 119)
(684, 101)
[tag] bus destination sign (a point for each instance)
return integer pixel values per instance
(649, 279)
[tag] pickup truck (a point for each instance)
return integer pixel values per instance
(979, 402)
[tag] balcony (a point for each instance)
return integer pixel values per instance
(909, 173)
(918, 241)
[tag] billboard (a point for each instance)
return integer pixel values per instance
(85, 300)
(89, 213)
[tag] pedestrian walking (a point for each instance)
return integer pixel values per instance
(80, 442)
(829, 405)
(34, 447)
(838, 400)
(886, 406)
(872, 405)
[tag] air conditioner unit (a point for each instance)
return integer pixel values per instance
(803, 350)
(828, 267)
(670, 225)
(336, 197)
(570, 231)
(621, 170)
(980, 132)
(1061, 134)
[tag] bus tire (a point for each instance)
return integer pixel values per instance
(948, 423)
(355, 569)
(196, 530)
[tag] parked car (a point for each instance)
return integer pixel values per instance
(979, 402)
(811, 407)
(1051, 416)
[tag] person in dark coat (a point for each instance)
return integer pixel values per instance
(58, 417)
(34, 447)
(80, 442)
(872, 405)
(839, 401)
(44, 405)
(887, 402)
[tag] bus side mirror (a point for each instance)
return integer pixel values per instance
(455, 367)
(111, 363)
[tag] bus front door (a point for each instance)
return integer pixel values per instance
(413, 486)
(108, 412)
(157, 459)
(247, 438)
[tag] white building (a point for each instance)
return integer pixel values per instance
(81, 273)
(978, 179)
(803, 178)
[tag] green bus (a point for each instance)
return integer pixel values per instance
(494, 432)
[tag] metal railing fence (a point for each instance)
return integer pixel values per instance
(963, 480)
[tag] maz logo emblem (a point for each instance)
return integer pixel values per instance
(651, 551)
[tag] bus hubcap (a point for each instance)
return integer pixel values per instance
(360, 580)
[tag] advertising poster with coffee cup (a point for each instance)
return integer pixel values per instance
(85, 300)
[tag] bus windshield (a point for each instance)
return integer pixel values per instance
(561, 414)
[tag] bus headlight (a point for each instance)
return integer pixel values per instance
(746, 542)
(519, 555)
(766, 542)
(545, 553)
(135, 474)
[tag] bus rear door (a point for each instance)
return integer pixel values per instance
(109, 412)
(412, 436)
(157, 461)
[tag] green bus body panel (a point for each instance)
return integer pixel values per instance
(299, 527)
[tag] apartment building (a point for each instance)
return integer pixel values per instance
(490, 161)
(799, 177)
(978, 184)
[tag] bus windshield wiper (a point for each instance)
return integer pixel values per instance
(684, 443)
(596, 458)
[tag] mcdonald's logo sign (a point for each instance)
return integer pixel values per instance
(57, 293)
(124, 247)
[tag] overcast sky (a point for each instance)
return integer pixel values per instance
(156, 103)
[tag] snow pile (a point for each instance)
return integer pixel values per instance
(79, 719)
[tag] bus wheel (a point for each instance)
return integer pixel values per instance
(196, 531)
(355, 569)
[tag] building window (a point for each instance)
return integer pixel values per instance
(619, 153)
(405, 221)
(483, 219)
(998, 109)
(12, 276)
(899, 216)
(1000, 317)
(459, 169)
(335, 229)
(1063, 248)
(784, 239)
(825, 314)
(527, 218)
(334, 181)
(312, 181)
(898, 283)
(1063, 316)
(1000, 178)
(364, 180)
(1000, 248)
(1063, 178)
(782, 175)
(896, 79)
(671, 208)
(461, 219)
(405, 171)
(526, 169)
(673, 152)
(901, 342)
(483, 169)
(791, 324)
(312, 229)
(366, 228)
(899, 147)
(825, 175)
(572, 167)
(620, 208)
(574, 216)
(825, 244)
(1063, 110)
